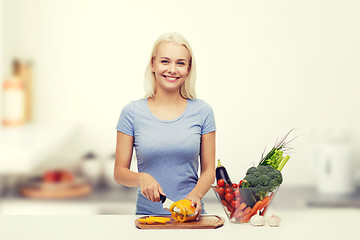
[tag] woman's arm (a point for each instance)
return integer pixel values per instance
(123, 156)
(207, 167)
(149, 187)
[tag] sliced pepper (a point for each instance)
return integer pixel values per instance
(152, 219)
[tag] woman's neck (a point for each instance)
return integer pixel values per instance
(161, 97)
(167, 106)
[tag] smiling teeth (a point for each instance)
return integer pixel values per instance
(171, 78)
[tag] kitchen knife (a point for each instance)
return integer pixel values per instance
(166, 202)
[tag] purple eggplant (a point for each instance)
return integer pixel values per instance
(221, 173)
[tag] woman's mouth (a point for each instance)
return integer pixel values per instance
(170, 79)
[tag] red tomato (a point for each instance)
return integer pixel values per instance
(49, 177)
(237, 193)
(231, 209)
(220, 191)
(234, 185)
(229, 197)
(221, 183)
(228, 190)
(235, 203)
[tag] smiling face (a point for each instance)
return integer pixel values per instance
(170, 66)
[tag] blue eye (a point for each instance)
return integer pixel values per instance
(181, 63)
(164, 61)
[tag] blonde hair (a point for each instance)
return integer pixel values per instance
(187, 89)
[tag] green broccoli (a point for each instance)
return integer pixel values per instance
(278, 176)
(262, 179)
(251, 180)
(260, 191)
(273, 184)
(271, 174)
(251, 170)
(264, 169)
(257, 173)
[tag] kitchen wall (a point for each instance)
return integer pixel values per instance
(1, 48)
(264, 66)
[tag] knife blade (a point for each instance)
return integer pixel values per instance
(166, 202)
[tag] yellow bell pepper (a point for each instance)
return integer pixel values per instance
(152, 219)
(186, 213)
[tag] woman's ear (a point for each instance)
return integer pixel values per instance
(189, 67)
(152, 64)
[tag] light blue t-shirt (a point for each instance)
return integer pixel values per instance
(167, 149)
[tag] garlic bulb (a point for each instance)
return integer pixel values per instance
(257, 220)
(274, 221)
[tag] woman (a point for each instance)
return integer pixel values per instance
(169, 129)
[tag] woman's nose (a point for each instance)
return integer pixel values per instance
(172, 68)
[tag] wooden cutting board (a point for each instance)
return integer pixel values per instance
(57, 192)
(205, 222)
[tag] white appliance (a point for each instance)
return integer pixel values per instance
(335, 169)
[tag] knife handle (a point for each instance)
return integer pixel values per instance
(162, 198)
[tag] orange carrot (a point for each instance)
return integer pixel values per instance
(239, 209)
(240, 213)
(242, 206)
(265, 202)
(253, 211)
(246, 218)
(235, 215)
(255, 207)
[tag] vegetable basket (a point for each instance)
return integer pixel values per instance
(240, 204)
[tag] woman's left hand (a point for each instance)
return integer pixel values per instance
(196, 202)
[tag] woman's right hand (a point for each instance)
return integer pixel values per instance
(150, 188)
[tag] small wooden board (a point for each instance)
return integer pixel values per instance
(57, 193)
(205, 222)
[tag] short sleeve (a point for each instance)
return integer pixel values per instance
(208, 119)
(126, 120)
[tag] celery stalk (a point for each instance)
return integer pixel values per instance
(283, 162)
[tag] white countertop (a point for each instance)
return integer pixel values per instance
(305, 224)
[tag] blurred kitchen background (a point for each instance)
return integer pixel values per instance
(68, 67)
